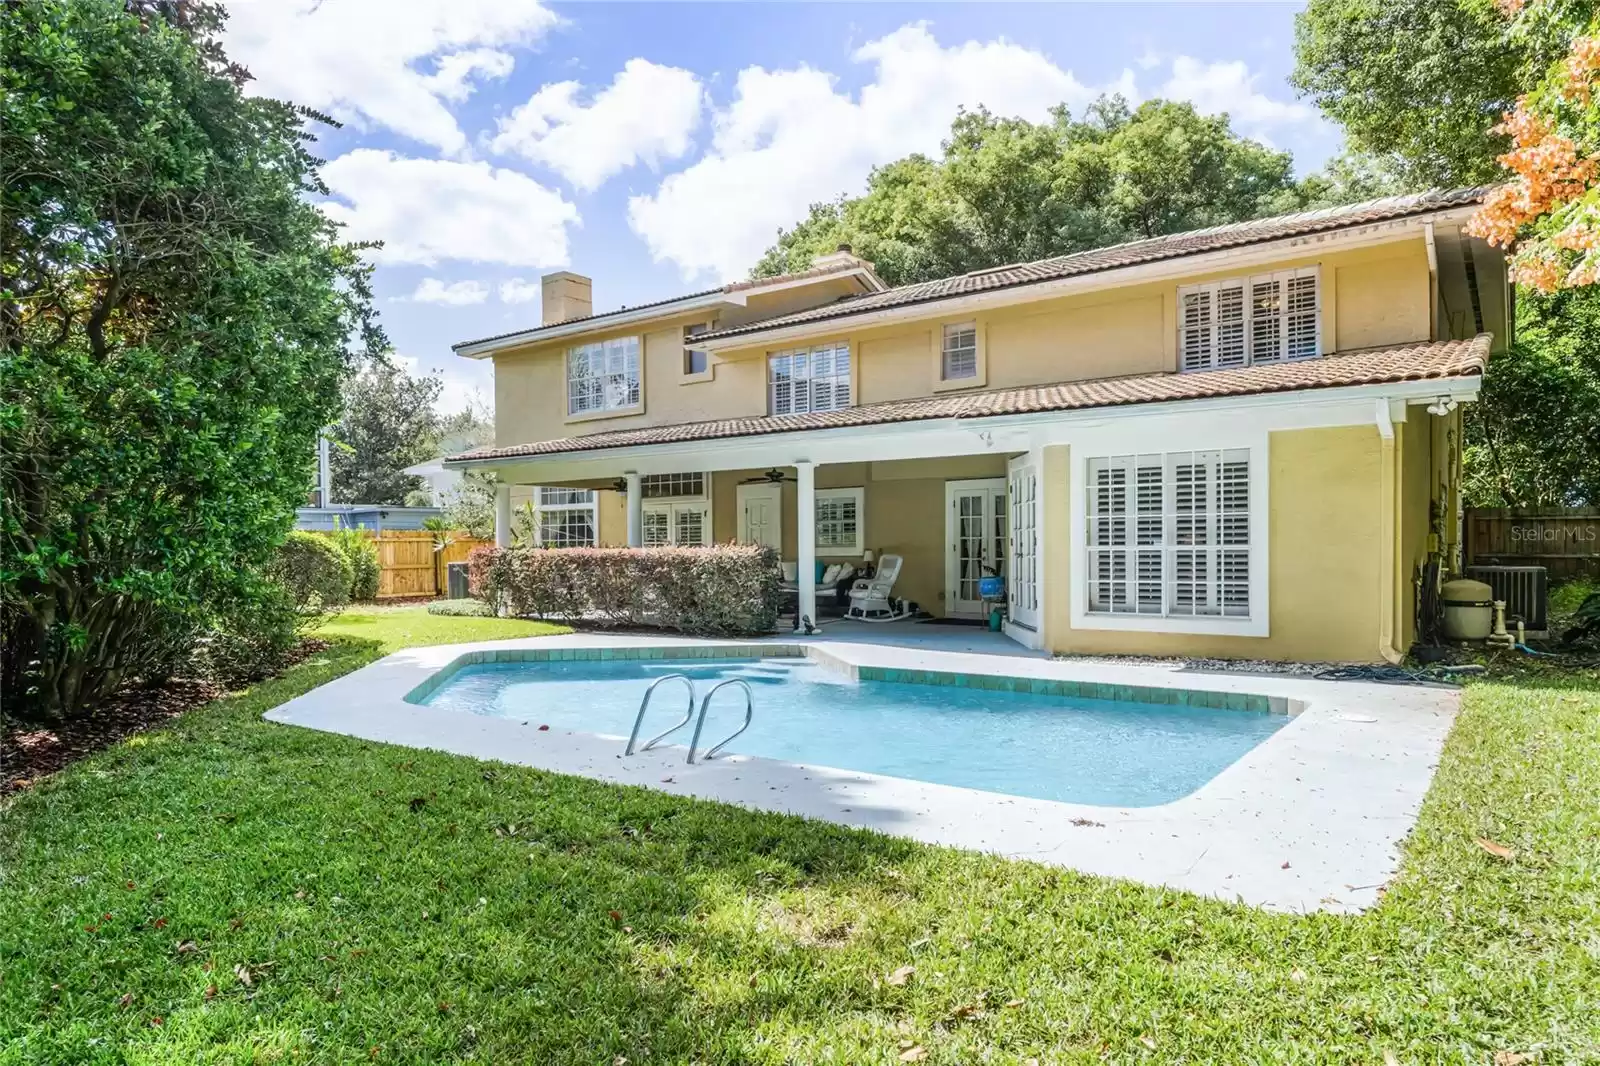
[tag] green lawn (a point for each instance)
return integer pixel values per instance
(225, 890)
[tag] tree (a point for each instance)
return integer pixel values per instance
(1533, 438)
(174, 319)
(1008, 190)
(389, 423)
(1550, 209)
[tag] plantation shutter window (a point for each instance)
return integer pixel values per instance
(809, 379)
(1169, 534)
(960, 355)
(1259, 320)
(838, 521)
(603, 376)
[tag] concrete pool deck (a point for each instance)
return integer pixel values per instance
(1310, 819)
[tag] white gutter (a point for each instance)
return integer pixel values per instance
(599, 323)
(1462, 389)
(1164, 269)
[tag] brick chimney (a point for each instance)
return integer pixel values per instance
(565, 296)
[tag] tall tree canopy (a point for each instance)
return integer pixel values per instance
(1008, 190)
(389, 423)
(174, 321)
(1422, 89)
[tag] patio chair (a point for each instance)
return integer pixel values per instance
(870, 599)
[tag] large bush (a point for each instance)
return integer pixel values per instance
(360, 551)
(314, 572)
(174, 320)
(719, 591)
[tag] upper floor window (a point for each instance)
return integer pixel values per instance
(960, 354)
(1268, 318)
(695, 360)
(603, 376)
(809, 379)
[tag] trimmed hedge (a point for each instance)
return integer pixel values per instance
(314, 571)
(727, 590)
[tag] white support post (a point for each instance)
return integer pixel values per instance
(502, 516)
(324, 470)
(806, 538)
(635, 511)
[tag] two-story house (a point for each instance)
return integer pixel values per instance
(1240, 441)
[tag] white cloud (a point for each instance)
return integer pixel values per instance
(1229, 87)
(427, 210)
(646, 114)
(451, 294)
(517, 291)
(359, 59)
(791, 138)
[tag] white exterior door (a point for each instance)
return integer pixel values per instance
(1022, 578)
(761, 515)
(976, 541)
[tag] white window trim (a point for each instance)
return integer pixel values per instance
(1246, 282)
(860, 498)
(539, 509)
(849, 378)
(602, 411)
(1114, 443)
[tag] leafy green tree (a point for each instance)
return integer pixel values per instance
(1533, 438)
(389, 423)
(1007, 190)
(174, 321)
(1419, 85)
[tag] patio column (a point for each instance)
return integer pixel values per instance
(635, 511)
(806, 539)
(502, 516)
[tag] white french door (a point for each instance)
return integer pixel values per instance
(976, 541)
(686, 525)
(1022, 579)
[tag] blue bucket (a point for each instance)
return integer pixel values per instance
(992, 588)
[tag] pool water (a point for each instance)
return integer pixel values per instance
(1046, 747)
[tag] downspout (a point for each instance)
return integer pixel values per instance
(1388, 531)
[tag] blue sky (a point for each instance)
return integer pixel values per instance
(657, 147)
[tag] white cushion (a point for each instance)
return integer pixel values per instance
(789, 570)
(831, 574)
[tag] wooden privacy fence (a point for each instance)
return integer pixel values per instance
(410, 565)
(1566, 540)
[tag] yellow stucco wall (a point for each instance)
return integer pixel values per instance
(1370, 296)
(1328, 588)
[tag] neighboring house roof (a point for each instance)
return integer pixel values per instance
(1423, 360)
(841, 268)
(1132, 253)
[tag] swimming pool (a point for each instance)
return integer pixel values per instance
(1110, 752)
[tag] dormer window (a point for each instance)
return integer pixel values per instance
(1267, 318)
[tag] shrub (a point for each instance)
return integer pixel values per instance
(724, 590)
(314, 572)
(249, 640)
(362, 555)
(461, 608)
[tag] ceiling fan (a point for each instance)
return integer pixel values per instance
(771, 477)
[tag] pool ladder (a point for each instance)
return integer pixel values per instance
(700, 722)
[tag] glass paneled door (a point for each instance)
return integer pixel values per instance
(1022, 580)
(976, 541)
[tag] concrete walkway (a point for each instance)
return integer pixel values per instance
(1310, 819)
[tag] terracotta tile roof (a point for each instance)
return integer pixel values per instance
(1133, 253)
(532, 332)
(1373, 366)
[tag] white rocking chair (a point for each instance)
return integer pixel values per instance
(870, 599)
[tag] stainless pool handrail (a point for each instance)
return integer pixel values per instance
(638, 719)
(700, 723)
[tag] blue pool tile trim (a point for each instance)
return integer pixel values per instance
(1089, 690)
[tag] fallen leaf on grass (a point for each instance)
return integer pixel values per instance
(187, 947)
(914, 1053)
(1499, 851)
(1511, 1058)
(616, 916)
(1012, 1004)
(160, 923)
(211, 992)
(1297, 975)
(157, 1021)
(1148, 1041)
(1389, 1058)
(125, 999)
(243, 974)
(901, 976)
